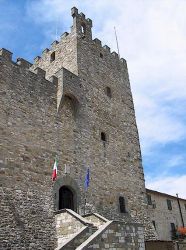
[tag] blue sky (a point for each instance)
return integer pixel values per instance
(152, 38)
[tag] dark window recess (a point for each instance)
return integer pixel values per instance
(173, 228)
(103, 136)
(122, 206)
(101, 55)
(52, 56)
(154, 223)
(153, 204)
(66, 198)
(108, 92)
(173, 231)
(169, 204)
(149, 200)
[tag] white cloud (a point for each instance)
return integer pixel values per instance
(175, 161)
(168, 184)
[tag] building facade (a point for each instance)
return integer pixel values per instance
(167, 213)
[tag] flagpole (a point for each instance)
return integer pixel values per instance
(85, 201)
(117, 41)
(86, 185)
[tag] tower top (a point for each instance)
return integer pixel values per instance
(81, 25)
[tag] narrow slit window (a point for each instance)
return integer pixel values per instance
(83, 28)
(154, 223)
(52, 57)
(173, 231)
(101, 55)
(103, 136)
(169, 204)
(108, 92)
(149, 200)
(122, 206)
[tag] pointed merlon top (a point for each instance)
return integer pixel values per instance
(6, 54)
(74, 11)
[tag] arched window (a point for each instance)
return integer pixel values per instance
(52, 57)
(103, 137)
(108, 92)
(122, 206)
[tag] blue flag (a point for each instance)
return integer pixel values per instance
(87, 179)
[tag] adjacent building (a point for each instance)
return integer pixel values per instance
(167, 213)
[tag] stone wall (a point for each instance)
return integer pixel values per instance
(181, 246)
(117, 235)
(163, 245)
(27, 150)
(65, 56)
(26, 219)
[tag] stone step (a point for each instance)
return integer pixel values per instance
(81, 238)
(94, 229)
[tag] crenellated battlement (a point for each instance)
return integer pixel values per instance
(81, 33)
(45, 51)
(6, 54)
(53, 44)
(97, 42)
(107, 48)
(82, 18)
(82, 30)
(65, 34)
(36, 59)
(24, 64)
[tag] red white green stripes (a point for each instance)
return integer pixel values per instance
(54, 172)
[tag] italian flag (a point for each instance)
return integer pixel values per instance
(54, 172)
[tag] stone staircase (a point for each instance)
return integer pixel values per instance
(93, 231)
(73, 229)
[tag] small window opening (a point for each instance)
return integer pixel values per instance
(149, 200)
(69, 98)
(103, 136)
(108, 92)
(83, 29)
(52, 57)
(173, 228)
(169, 204)
(173, 231)
(101, 55)
(122, 204)
(154, 223)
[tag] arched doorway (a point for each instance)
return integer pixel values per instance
(66, 198)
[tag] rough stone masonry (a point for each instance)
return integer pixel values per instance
(75, 102)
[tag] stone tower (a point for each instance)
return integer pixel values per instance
(75, 102)
(96, 121)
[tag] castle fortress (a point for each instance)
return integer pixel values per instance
(75, 102)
